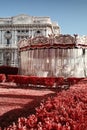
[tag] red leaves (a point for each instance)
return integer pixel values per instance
(34, 80)
(69, 113)
(49, 81)
(32, 121)
(66, 111)
(59, 81)
(2, 77)
(74, 80)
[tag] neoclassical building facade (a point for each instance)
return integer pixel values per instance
(15, 28)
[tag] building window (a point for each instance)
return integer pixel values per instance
(27, 31)
(38, 33)
(18, 31)
(8, 36)
(23, 31)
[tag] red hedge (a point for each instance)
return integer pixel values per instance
(34, 80)
(2, 77)
(74, 80)
(43, 81)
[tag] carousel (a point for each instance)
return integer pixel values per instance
(52, 56)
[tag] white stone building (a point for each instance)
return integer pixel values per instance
(13, 29)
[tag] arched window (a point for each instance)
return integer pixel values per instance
(8, 36)
(38, 33)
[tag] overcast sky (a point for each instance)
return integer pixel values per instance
(71, 15)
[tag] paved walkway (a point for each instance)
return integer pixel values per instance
(16, 102)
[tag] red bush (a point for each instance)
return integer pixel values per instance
(74, 80)
(44, 81)
(59, 81)
(66, 111)
(2, 77)
(33, 80)
(49, 81)
(18, 79)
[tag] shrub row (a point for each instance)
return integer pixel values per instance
(2, 78)
(66, 111)
(32, 80)
(45, 81)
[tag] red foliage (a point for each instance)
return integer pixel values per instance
(34, 80)
(66, 111)
(49, 81)
(18, 79)
(74, 80)
(59, 81)
(2, 77)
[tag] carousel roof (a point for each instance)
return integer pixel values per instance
(42, 42)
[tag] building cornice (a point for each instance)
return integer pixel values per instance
(24, 25)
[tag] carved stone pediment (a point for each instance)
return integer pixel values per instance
(22, 19)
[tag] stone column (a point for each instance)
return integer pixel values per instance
(15, 57)
(46, 32)
(30, 32)
(3, 39)
(0, 37)
(15, 37)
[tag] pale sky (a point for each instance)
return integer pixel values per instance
(71, 15)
